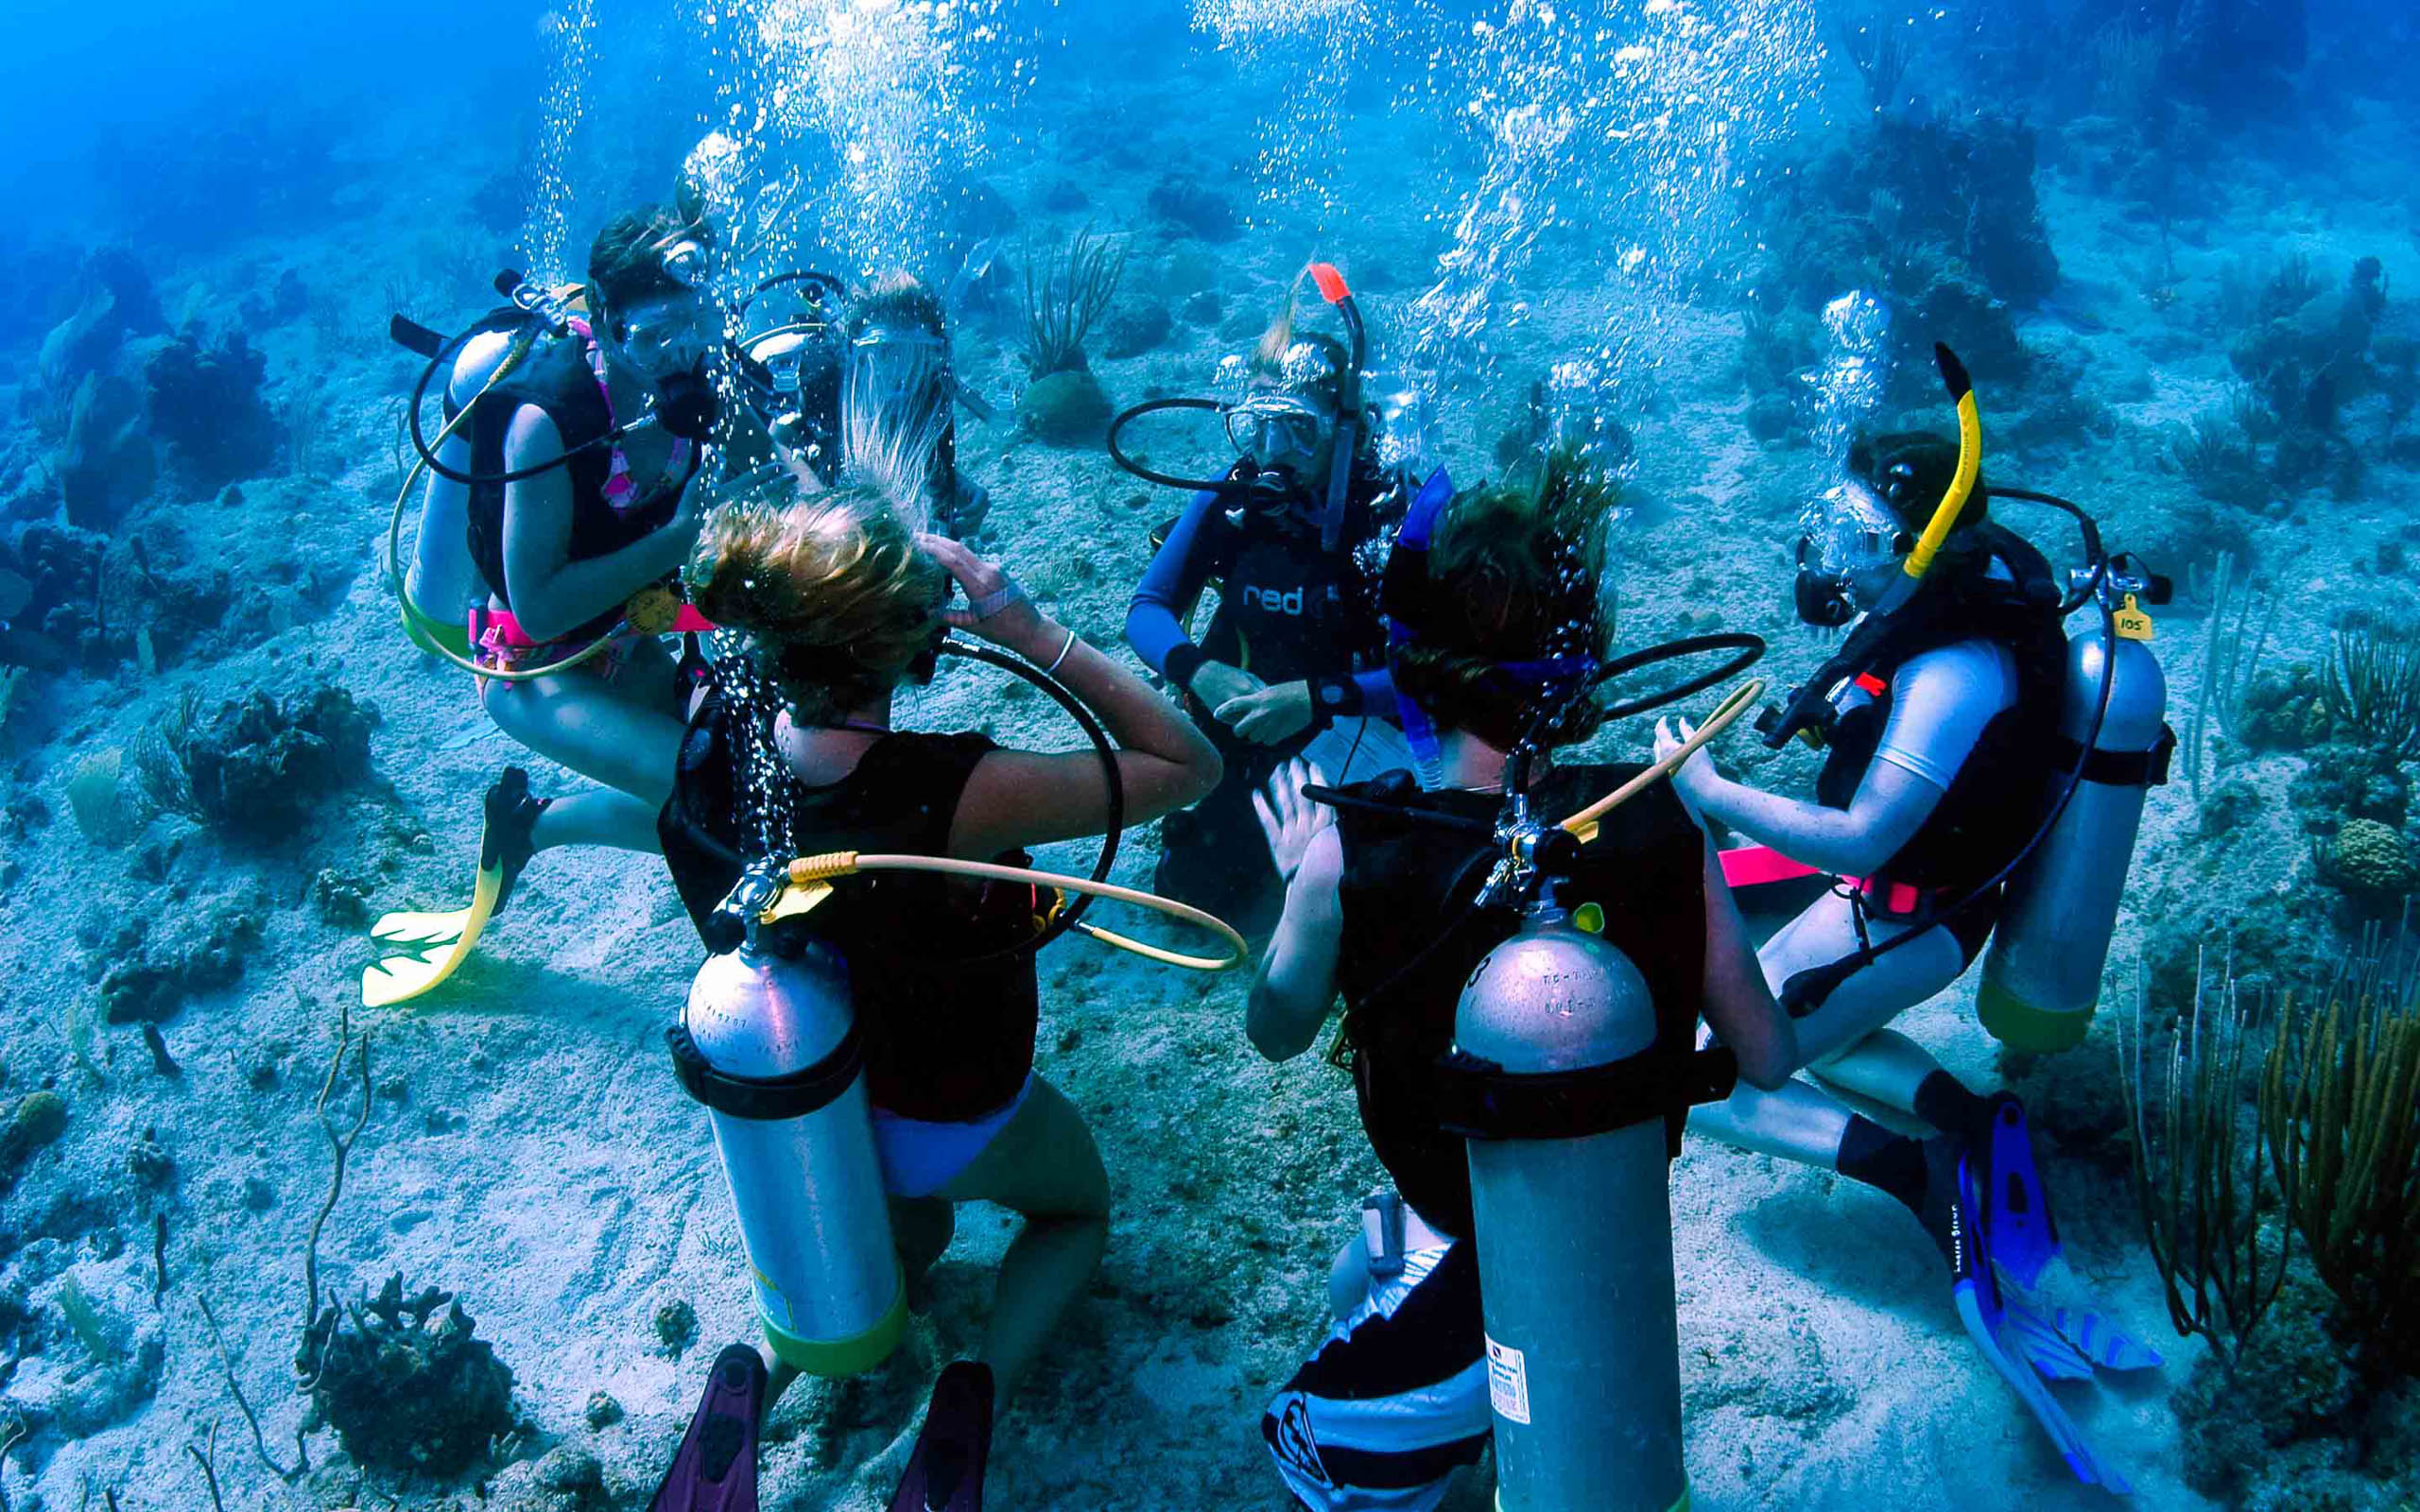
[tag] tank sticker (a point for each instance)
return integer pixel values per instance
(1507, 1382)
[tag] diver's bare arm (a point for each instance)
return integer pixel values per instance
(1891, 803)
(1296, 986)
(551, 594)
(1017, 797)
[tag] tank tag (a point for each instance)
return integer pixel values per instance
(796, 901)
(2133, 623)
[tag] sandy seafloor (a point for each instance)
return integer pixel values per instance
(529, 1149)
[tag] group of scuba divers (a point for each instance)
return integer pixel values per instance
(695, 545)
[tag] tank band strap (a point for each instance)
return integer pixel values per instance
(766, 1099)
(1479, 1099)
(2119, 768)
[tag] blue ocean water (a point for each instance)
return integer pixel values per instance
(2173, 241)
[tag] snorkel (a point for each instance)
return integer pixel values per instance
(1348, 404)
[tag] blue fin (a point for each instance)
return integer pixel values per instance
(2018, 1230)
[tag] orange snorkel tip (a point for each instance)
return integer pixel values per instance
(1331, 282)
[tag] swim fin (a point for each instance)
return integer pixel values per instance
(2002, 1334)
(420, 951)
(2017, 1209)
(946, 1473)
(716, 1469)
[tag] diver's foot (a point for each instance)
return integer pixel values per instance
(1946, 1214)
(945, 1473)
(509, 838)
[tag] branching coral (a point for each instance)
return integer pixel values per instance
(2340, 1103)
(2373, 685)
(2200, 1189)
(1065, 293)
(2230, 658)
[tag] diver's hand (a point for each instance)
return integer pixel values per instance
(1266, 716)
(1691, 777)
(1288, 818)
(1216, 683)
(997, 608)
(696, 497)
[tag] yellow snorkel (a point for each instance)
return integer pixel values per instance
(1970, 466)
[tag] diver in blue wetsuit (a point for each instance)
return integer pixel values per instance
(1294, 659)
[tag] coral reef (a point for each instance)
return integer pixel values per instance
(406, 1381)
(252, 769)
(105, 465)
(206, 408)
(147, 974)
(1135, 329)
(40, 1119)
(1067, 410)
(1193, 209)
(2370, 863)
(1066, 292)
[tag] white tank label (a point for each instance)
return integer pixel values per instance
(1507, 1383)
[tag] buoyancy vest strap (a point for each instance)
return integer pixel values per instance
(2119, 768)
(1479, 1099)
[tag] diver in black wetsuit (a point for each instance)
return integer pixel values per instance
(1294, 659)
(1379, 908)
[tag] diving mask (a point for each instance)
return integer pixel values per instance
(666, 336)
(1279, 430)
(1851, 536)
(897, 365)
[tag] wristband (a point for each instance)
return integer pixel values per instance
(994, 602)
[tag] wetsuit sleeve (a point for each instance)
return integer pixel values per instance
(1940, 703)
(1170, 585)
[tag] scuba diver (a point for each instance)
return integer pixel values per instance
(899, 373)
(1294, 659)
(1387, 901)
(830, 603)
(1981, 771)
(576, 480)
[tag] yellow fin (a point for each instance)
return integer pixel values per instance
(428, 947)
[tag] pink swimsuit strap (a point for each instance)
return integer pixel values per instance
(620, 490)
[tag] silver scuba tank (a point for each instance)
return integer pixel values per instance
(440, 583)
(769, 1043)
(1573, 1233)
(2042, 978)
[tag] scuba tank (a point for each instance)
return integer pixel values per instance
(769, 1043)
(1571, 1103)
(440, 581)
(2042, 978)
(1575, 1238)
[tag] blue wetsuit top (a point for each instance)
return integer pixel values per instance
(1286, 612)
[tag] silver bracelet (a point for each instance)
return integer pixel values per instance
(1053, 668)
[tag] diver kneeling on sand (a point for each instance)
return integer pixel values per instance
(1393, 900)
(1982, 774)
(1294, 659)
(584, 457)
(830, 603)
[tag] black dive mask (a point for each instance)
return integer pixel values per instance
(685, 405)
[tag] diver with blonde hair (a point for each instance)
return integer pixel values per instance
(831, 604)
